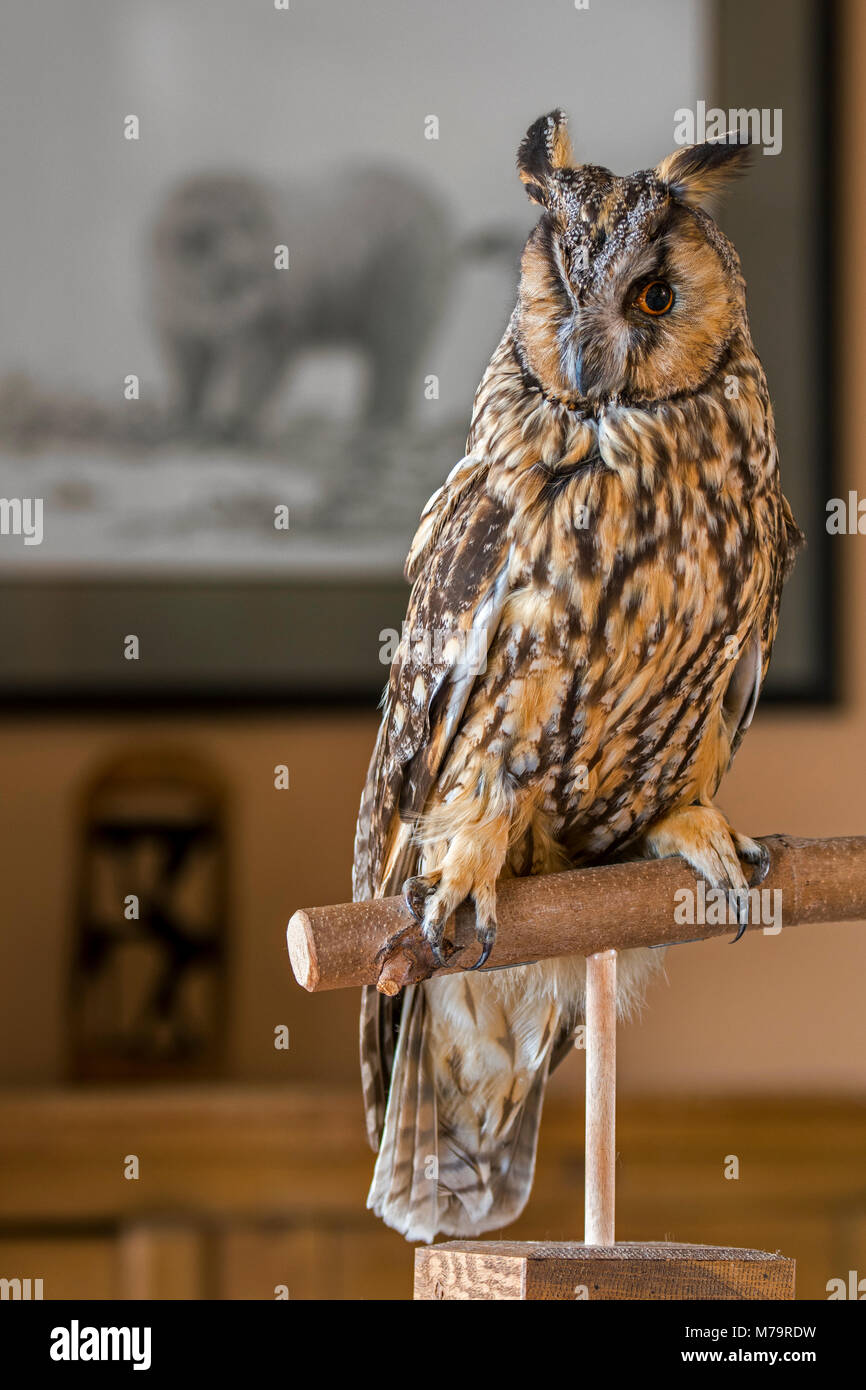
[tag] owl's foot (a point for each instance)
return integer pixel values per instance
(702, 836)
(433, 899)
(420, 896)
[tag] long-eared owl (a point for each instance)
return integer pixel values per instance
(595, 597)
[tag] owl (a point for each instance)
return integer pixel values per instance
(595, 595)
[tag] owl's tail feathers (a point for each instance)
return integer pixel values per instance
(482, 1193)
(425, 1181)
(403, 1191)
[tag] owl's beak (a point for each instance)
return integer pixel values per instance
(578, 369)
(588, 377)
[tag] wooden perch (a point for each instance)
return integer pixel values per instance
(576, 913)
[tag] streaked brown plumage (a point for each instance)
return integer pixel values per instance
(615, 542)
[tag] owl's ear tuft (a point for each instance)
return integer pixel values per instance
(545, 147)
(698, 173)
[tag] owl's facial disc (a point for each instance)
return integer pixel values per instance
(659, 320)
(629, 292)
(638, 310)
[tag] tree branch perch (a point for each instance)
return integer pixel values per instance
(580, 912)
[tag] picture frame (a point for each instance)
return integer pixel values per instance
(257, 634)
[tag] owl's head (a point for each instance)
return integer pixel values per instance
(629, 292)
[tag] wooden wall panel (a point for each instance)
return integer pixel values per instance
(69, 1265)
(244, 1190)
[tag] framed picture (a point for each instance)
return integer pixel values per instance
(243, 325)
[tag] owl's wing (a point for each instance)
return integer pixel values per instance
(459, 565)
(744, 688)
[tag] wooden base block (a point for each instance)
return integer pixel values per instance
(506, 1269)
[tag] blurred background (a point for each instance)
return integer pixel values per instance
(255, 261)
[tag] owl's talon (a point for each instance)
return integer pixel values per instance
(436, 952)
(762, 867)
(759, 856)
(751, 852)
(485, 931)
(410, 899)
(486, 948)
(417, 892)
(435, 937)
(742, 919)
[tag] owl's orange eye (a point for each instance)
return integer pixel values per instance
(655, 298)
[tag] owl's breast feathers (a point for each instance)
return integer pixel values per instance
(593, 609)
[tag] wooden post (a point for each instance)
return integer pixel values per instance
(600, 1153)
